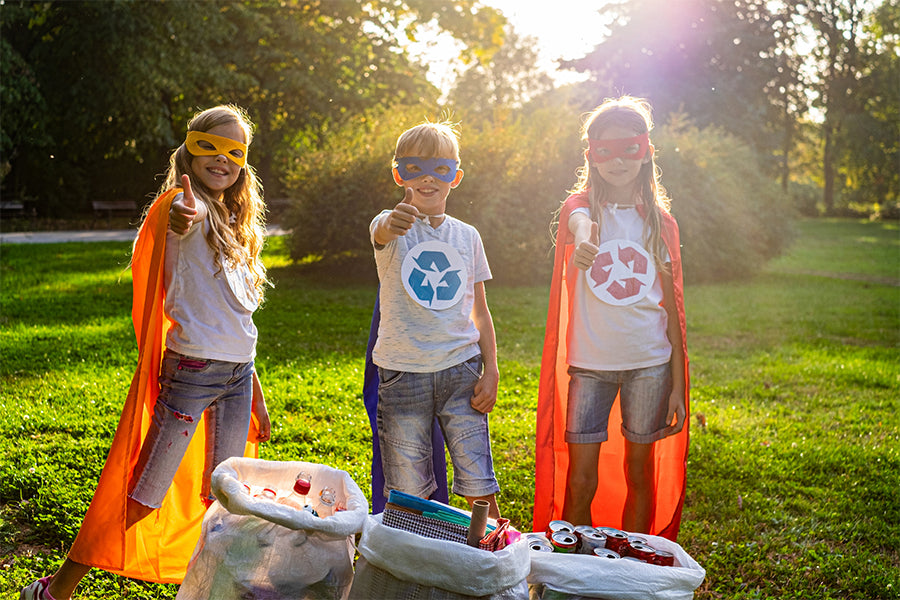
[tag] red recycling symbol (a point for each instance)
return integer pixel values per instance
(622, 273)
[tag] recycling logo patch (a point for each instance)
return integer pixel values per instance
(622, 273)
(433, 273)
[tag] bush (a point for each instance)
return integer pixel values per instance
(733, 217)
(518, 166)
(516, 173)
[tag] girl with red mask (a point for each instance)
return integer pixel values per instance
(613, 399)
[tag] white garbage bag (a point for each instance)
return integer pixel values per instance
(395, 563)
(574, 576)
(254, 548)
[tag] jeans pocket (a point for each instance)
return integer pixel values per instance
(474, 366)
(192, 364)
(388, 377)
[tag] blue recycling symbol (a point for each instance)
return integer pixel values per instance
(433, 279)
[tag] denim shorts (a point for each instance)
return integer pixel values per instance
(644, 395)
(408, 403)
(188, 388)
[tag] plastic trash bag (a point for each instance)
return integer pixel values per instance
(395, 563)
(252, 548)
(557, 576)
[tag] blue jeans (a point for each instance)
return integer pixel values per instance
(407, 406)
(644, 400)
(188, 388)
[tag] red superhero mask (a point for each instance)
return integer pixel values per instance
(633, 148)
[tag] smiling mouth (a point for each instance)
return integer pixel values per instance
(219, 172)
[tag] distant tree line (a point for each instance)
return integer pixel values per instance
(763, 108)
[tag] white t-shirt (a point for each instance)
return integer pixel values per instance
(427, 292)
(211, 309)
(617, 322)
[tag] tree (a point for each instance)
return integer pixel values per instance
(121, 78)
(870, 157)
(710, 60)
(507, 80)
(837, 57)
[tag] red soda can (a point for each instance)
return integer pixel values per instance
(616, 540)
(663, 558)
(641, 551)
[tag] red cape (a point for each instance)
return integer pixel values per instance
(552, 457)
(159, 547)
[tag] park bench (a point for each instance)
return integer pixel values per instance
(16, 209)
(109, 207)
(12, 209)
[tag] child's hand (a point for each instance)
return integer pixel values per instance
(184, 209)
(485, 393)
(260, 411)
(586, 251)
(265, 425)
(676, 411)
(401, 219)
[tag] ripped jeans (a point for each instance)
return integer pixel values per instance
(188, 388)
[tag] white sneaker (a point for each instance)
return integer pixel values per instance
(37, 590)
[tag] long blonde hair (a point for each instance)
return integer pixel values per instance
(237, 222)
(635, 114)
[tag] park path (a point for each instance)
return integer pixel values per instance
(95, 235)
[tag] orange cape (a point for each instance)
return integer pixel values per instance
(159, 547)
(552, 457)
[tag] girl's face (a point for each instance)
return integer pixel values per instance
(218, 173)
(621, 172)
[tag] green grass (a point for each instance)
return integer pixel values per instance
(795, 452)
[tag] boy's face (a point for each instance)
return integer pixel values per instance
(430, 178)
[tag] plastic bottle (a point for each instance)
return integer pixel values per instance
(302, 485)
(325, 506)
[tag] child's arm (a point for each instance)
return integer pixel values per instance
(260, 411)
(185, 211)
(677, 402)
(397, 222)
(486, 389)
(587, 240)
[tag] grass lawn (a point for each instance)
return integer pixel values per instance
(795, 450)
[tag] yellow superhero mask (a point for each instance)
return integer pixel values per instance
(199, 143)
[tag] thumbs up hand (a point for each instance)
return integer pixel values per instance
(586, 251)
(184, 209)
(401, 219)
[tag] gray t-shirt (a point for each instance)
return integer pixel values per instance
(428, 279)
(211, 308)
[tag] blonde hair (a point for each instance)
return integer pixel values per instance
(432, 140)
(237, 221)
(635, 114)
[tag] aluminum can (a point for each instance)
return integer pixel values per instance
(663, 558)
(538, 546)
(641, 551)
(605, 553)
(616, 540)
(559, 525)
(588, 540)
(564, 542)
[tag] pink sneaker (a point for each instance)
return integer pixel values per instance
(37, 590)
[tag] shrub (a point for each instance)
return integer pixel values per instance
(518, 166)
(733, 217)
